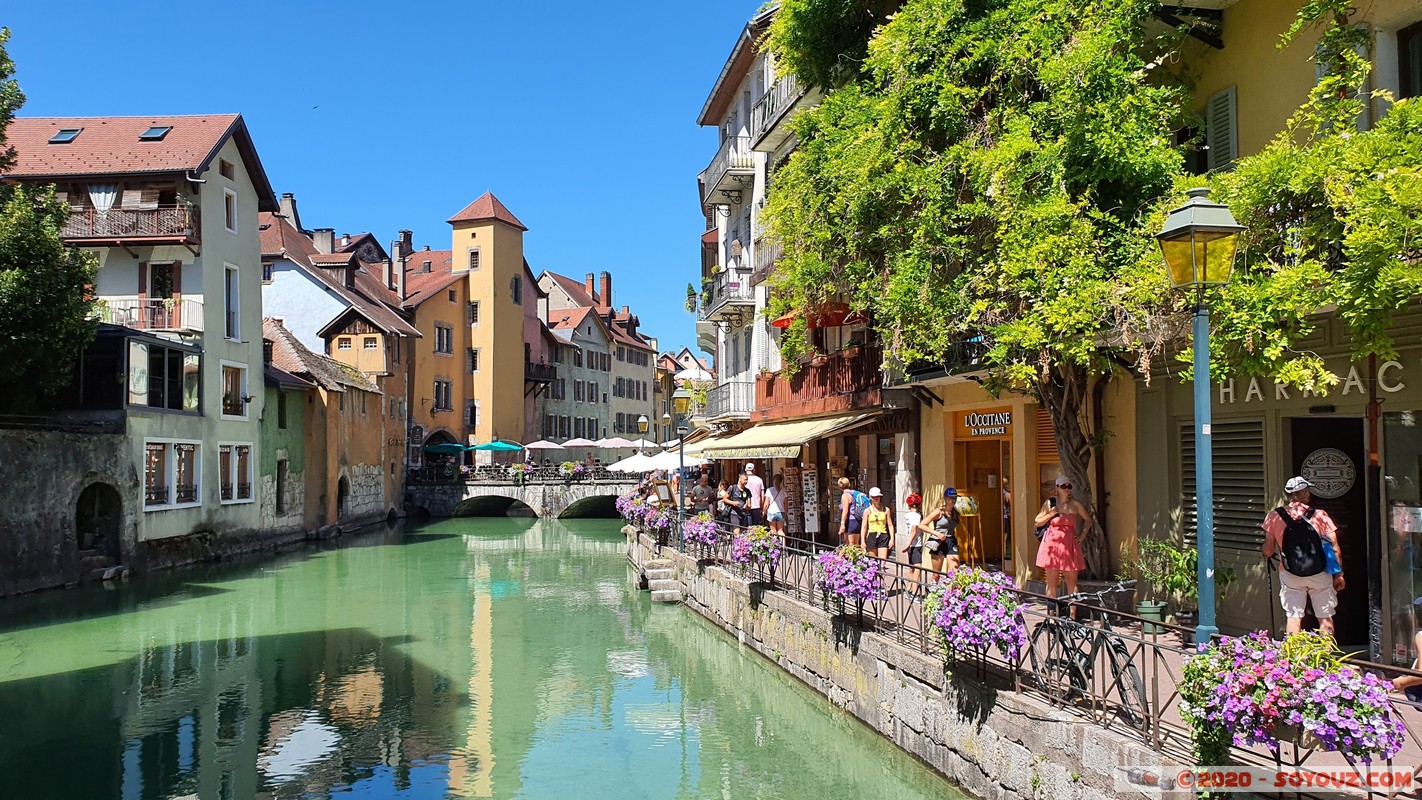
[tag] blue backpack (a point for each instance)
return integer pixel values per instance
(858, 502)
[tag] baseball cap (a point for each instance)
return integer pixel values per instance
(1296, 484)
(750, 467)
(950, 492)
(913, 500)
(1063, 480)
(875, 492)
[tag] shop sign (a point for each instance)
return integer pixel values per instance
(1256, 390)
(809, 500)
(987, 423)
(1329, 471)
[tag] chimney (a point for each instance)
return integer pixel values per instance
(590, 285)
(396, 267)
(324, 239)
(605, 296)
(288, 210)
(345, 239)
(406, 245)
(267, 348)
(427, 247)
(626, 311)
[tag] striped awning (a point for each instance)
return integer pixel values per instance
(780, 439)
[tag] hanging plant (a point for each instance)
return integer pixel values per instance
(849, 573)
(757, 545)
(973, 609)
(700, 529)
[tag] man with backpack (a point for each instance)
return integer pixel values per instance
(1305, 537)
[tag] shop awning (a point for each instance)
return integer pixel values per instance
(780, 439)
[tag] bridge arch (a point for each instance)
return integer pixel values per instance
(601, 506)
(493, 505)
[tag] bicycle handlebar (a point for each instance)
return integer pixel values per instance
(1074, 596)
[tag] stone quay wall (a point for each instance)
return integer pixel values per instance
(997, 745)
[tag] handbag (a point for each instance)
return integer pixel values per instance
(1042, 531)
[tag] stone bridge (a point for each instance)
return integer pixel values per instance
(549, 499)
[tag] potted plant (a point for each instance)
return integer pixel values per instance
(700, 530)
(849, 573)
(973, 609)
(757, 545)
(1172, 573)
(854, 347)
(1251, 690)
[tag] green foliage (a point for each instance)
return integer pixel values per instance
(44, 300)
(1173, 572)
(824, 42)
(11, 98)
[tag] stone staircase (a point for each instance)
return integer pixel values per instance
(661, 579)
(96, 565)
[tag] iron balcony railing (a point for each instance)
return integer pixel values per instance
(540, 373)
(767, 252)
(733, 398)
(153, 314)
(727, 287)
(772, 105)
(177, 222)
(734, 158)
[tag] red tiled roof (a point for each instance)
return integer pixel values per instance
(487, 207)
(110, 146)
(281, 240)
(575, 290)
(290, 355)
(421, 285)
(332, 259)
(567, 318)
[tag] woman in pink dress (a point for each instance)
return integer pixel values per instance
(1059, 554)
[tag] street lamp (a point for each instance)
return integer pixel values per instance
(642, 425)
(1199, 243)
(666, 425)
(681, 403)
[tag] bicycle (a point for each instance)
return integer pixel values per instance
(1070, 650)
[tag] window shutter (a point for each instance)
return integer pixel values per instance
(143, 280)
(132, 198)
(1046, 437)
(149, 199)
(1221, 130)
(1240, 493)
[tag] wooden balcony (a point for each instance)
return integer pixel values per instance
(88, 227)
(851, 378)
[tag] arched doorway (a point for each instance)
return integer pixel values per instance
(442, 465)
(343, 498)
(98, 522)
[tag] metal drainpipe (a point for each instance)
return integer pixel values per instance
(1373, 490)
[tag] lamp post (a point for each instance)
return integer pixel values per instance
(1199, 243)
(681, 402)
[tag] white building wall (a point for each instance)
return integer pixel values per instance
(302, 304)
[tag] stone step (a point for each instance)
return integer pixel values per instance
(664, 573)
(658, 563)
(90, 560)
(109, 573)
(667, 596)
(664, 585)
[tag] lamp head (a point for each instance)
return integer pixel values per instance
(681, 400)
(1199, 242)
(642, 423)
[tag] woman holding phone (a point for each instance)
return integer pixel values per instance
(1059, 554)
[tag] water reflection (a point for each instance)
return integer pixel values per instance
(466, 658)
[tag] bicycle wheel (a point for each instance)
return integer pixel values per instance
(1129, 683)
(1056, 661)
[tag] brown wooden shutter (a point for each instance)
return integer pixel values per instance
(177, 314)
(143, 280)
(1046, 437)
(132, 198)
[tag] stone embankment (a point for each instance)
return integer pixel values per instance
(998, 745)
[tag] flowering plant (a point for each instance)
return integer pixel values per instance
(465, 470)
(1252, 690)
(633, 507)
(975, 609)
(849, 573)
(572, 469)
(521, 469)
(700, 529)
(658, 519)
(756, 545)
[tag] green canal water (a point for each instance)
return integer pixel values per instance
(465, 658)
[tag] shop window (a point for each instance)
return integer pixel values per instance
(170, 475)
(1402, 494)
(234, 465)
(163, 377)
(1241, 497)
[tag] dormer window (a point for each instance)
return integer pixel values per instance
(155, 133)
(65, 135)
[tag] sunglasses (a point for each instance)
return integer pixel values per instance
(1063, 486)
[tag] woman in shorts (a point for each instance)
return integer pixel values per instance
(941, 527)
(914, 547)
(878, 526)
(775, 505)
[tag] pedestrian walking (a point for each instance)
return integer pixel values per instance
(940, 528)
(723, 510)
(914, 546)
(775, 505)
(702, 495)
(755, 509)
(738, 498)
(1305, 537)
(852, 503)
(878, 525)
(1059, 553)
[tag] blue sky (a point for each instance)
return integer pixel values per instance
(580, 116)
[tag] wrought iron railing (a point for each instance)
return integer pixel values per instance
(178, 221)
(731, 397)
(506, 475)
(726, 287)
(1107, 666)
(153, 314)
(735, 156)
(772, 105)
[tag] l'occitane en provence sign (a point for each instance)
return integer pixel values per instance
(984, 423)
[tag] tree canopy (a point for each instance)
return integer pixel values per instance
(45, 300)
(996, 174)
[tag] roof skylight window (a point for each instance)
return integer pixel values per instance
(65, 135)
(155, 133)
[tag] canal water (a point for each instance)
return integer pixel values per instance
(497, 658)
